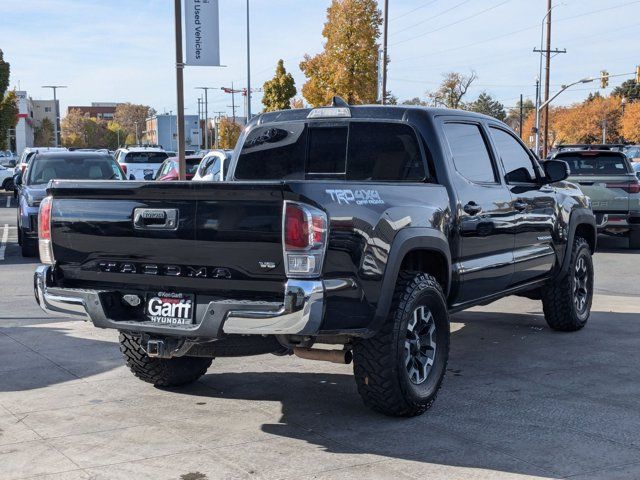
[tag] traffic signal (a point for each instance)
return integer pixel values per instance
(638, 74)
(604, 79)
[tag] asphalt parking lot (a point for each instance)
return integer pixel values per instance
(519, 400)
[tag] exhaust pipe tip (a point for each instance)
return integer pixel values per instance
(343, 357)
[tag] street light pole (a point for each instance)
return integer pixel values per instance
(57, 112)
(248, 67)
(177, 7)
(564, 87)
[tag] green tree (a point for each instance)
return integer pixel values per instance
(229, 133)
(451, 91)
(279, 91)
(44, 133)
(415, 101)
(348, 65)
(629, 90)
(8, 104)
(487, 105)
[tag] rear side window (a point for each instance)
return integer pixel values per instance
(384, 152)
(469, 149)
(145, 157)
(357, 151)
(603, 164)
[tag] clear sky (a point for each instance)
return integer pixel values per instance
(123, 50)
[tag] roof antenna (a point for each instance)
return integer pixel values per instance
(338, 102)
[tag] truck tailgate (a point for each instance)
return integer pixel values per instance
(223, 234)
(607, 192)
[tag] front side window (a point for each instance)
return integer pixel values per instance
(515, 158)
(470, 154)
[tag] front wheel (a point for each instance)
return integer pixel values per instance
(566, 299)
(161, 372)
(399, 370)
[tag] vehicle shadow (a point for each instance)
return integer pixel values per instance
(610, 244)
(38, 352)
(514, 399)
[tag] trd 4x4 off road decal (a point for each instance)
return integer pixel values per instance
(359, 197)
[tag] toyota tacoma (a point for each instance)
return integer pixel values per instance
(357, 229)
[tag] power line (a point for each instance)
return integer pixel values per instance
(432, 17)
(515, 32)
(455, 23)
(413, 10)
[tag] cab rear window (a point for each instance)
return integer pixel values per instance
(145, 157)
(596, 164)
(357, 151)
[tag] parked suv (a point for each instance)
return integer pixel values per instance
(357, 228)
(141, 162)
(609, 180)
(43, 168)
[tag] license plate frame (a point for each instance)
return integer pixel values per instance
(170, 308)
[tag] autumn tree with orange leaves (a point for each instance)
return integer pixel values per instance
(348, 66)
(630, 124)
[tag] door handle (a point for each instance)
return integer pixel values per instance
(472, 208)
(519, 205)
(155, 218)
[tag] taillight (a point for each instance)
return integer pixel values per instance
(304, 239)
(44, 231)
(629, 187)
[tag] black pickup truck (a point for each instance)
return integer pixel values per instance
(357, 229)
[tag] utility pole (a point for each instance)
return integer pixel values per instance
(248, 68)
(547, 76)
(57, 112)
(218, 116)
(177, 7)
(521, 114)
(384, 52)
(547, 51)
(537, 142)
(206, 114)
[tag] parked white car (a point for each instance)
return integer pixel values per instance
(6, 178)
(214, 166)
(7, 158)
(141, 162)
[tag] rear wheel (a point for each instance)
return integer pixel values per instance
(634, 238)
(7, 185)
(399, 371)
(566, 300)
(28, 247)
(161, 372)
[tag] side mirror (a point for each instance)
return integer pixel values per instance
(556, 171)
(519, 175)
(17, 179)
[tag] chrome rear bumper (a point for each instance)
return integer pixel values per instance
(300, 313)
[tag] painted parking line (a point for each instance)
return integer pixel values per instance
(8, 202)
(3, 242)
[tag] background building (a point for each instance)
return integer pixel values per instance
(22, 135)
(162, 130)
(99, 110)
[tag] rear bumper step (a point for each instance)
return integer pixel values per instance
(300, 313)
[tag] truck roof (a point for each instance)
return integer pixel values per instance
(371, 112)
